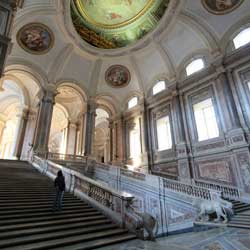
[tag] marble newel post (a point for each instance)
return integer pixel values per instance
(184, 168)
(21, 129)
(71, 140)
(44, 121)
(90, 128)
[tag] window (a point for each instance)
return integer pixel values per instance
(195, 66)
(248, 85)
(160, 86)
(164, 133)
(205, 119)
(132, 102)
(242, 38)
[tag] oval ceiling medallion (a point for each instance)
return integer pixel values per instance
(117, 76)
(113, 24)
(35, 38)
(220, 7)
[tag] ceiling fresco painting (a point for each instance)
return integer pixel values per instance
(111, 24)
(220, 7)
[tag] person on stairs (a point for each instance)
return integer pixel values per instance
(60, 188)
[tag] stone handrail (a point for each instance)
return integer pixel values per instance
(111, 202)
(226, 190)
(66, 157)
(192, 190)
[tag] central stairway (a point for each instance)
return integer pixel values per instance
(27, 221)
(241, 218)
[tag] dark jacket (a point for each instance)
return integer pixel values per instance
(60, 183)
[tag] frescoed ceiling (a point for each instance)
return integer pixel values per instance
(116, 23)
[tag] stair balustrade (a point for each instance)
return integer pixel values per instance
(226, 190)
(113, 203)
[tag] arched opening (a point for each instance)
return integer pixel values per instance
(68, 122)
(58, 131)
(102, 142)
(18, 109)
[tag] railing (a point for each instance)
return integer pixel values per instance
(66, 157)
(110, 201)
(226, 191)
(195, 191)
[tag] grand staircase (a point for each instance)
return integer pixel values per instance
(241, 219)
(28, 222)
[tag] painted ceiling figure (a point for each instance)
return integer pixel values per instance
(223, 4)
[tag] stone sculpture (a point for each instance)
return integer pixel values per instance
(222, 208)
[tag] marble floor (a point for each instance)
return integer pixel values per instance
(214, 239)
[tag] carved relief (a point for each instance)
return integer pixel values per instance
(217, 170)
(244, 163)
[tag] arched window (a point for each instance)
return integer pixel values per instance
(159, 86)
(195, 66)
(132, 102)
(242, 38)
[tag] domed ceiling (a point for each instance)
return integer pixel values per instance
(113, 24)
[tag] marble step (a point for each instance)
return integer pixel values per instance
(98, 243)
(34, 231)
(13, 207)
(55, 235)
(53, 217)
(44, 214)
(47, 209)
(48, 244)
(49, 223)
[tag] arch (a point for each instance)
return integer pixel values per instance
(83, 93)
(106, 102)
(203, 30)
(130, 96)
(25, 99)
(203, 54)
(232, 32)
(155, 79)
(32, 70)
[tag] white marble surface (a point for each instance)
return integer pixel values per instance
(214, 239)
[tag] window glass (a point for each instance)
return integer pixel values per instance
(133, 102)
(205, 119)
(164, 133)
(242, 38)
(160, 86)
(195, 66)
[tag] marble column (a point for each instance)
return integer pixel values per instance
(71, 140)
(21, 129)
(184, 168)
(90, 128)
(144, 137)
(112, 141)
(44, 122)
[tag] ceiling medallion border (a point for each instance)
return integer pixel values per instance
(114, 26)
(210, 6)
(35, 38)
(118, 76)
(172, 11)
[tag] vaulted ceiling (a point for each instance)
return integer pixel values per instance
(186, 29)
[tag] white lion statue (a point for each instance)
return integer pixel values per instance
(222, 208)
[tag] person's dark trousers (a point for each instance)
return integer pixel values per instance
(58, 200)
